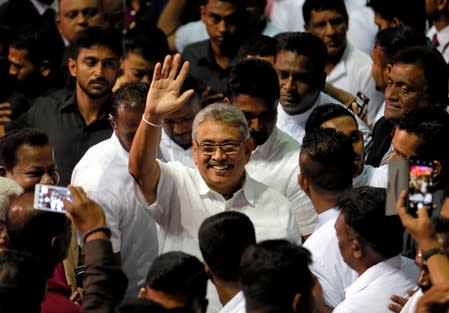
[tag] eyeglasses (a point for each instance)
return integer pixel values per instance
(229, 148)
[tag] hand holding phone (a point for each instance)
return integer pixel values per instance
(419, 186)
(50, 198)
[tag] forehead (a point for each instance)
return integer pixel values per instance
(324, 15)
(128, 117)
(405, 143)
(291, 61)
(136, 60)
(345, 124)
(70, 5)
(247, 103)
(410, 74)
(34, 154)
(97, 51)
(217, 131)
(222, 8)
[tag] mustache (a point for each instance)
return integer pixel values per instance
(98, 80)
(212, 163)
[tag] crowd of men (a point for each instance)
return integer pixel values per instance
(223, 156)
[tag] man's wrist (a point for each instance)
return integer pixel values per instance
(152, 120)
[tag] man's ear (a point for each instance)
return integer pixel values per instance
(395, 23)
(2, 171)
(208, 272)
(356, 248)
(45, 68)
(437, 168)
(303, 183)
(112, 122)
(296, 303)
(71, 63)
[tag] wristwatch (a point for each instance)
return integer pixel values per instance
(431, 252)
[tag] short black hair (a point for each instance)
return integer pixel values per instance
(223, 238)
(363, 210)
(13, 141)
(326, 112)
(306, 44)
(432, 128)
(256, 78)
(149, 42)
(21, 274)
(272, 272)
(394, 39)
(323, 5)
(327, 159)
(130, 96)
(178, 274)
(258, 46)
(92, 36)
(410, 12)
(434, 67)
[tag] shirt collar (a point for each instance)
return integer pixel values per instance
(340, 68)
(70, 104)
(40, 7)
(248, 189)
(207, 57)
(298, 118)
(170, 143)
(326, 216)
(374, 272)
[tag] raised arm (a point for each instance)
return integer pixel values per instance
(163, 98)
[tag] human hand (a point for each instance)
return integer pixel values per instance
(164, 94)
(399, 302)
(5, 113)
(420, 228)
(85, 213)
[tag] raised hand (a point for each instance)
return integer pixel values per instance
(164, 96)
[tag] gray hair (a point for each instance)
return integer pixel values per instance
(221, 112)
(8, 190)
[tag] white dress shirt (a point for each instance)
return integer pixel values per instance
(294, 125)
(352, 74)
(410, 306)
(171, 151)
(443, 40)
(235, 305)
(372, 176)
(276, 164)
(184, 201)
(372, 290)
(328, 266)
(196, 31)
(103, 173)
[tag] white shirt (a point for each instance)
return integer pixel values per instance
(443, 40)
(410, 306)
(276, 164)
(352, 74)
(294, 125)
(171, 151)
(372, 290)
(196, 31)
(103, 173)
(235, 305)
(184, 201)
(372, 176)
(328, 266)
(362, 30)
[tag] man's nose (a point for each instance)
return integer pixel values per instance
(255, 124)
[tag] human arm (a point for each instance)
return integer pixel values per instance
(170, 18)
(434, 300)
(104, 282)
(421, 229)
(163, 98)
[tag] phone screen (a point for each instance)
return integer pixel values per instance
(49, 198)
(420, 185)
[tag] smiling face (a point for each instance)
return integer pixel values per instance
(405, 90)
(34, 165)
(331, 27)
(222, 172)
(299, 82)
(96, 69)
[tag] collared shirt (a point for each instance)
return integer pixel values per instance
(171, 151)
(372, 176)
(328, 266)
(352, 74)
(40, 7)
(196, 31)
(326, 216)
(276, 164)
(103, 173)
(443, 40)
(294, 125)
(204, 67)
(58, 115)
(180, 216)
(372, 290)
(235, 305)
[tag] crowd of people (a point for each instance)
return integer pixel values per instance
(224, 156)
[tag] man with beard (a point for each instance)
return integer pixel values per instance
(79, 120)
(212, 59)
(274, 162)
(33, 68)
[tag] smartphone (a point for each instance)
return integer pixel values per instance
(49, 198)
(420, 173)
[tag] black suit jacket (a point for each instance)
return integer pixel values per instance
(381, 140)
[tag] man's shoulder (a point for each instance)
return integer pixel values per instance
(266, 194)
(196, 50)
(53, 101)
